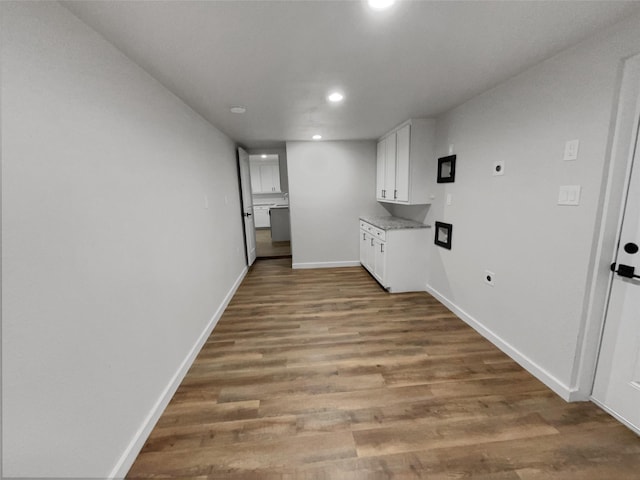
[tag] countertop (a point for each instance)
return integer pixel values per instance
(392, 223)
(271, 204)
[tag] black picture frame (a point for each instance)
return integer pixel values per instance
(443, 235)
(447, 169)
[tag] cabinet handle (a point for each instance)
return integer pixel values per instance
(383, 194)
(382, 248)
(395, 194)
(372, 242)
(364, 236)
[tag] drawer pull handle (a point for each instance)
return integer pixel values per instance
(382, 248)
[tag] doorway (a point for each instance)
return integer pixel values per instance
(270, 198)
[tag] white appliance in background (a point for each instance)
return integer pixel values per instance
(261, 216)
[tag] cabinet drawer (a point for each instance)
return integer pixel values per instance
(374, 231)
(379, 234)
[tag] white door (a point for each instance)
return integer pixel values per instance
(364, 246)
(390, 167)
(256, 185)
(247, 206)
(379, 263)
(617, 382)
(403, 138)
(380, 163)
(275, 176)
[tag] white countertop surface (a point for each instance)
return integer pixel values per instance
(392, 223)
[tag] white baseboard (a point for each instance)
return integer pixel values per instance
(568, 394)
(133, 449)
(326, 264)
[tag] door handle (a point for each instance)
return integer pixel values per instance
(247, 214)
(626, 271)
(382, 248)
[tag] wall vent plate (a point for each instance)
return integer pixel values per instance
(489, 278)
(498, 168)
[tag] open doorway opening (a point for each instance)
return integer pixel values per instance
(270, 195)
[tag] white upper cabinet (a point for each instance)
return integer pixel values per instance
(406, 168)
(265, 176)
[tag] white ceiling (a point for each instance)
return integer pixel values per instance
(280, 58)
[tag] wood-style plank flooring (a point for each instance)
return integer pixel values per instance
(320, 374)
(266, 248)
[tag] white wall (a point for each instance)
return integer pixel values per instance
(330, 185)
(112, 267)
(541, 253)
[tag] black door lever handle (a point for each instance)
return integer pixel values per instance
(626, 271)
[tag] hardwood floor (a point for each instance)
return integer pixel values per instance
(320, 374)
(265, 248)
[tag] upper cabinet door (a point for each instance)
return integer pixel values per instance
(403, 139)
(410, 165)
(265, 176)
(275, 177)
(380, 169)
(390, 167)
(256, 183)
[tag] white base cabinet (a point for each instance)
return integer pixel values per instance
(261, 216)
(396, 258)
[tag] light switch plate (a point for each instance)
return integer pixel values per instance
(498, 168)
(569, 195)
(571, 149)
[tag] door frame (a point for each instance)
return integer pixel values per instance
(625, 120)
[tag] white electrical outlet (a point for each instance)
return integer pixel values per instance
(489, 278)
(451, 149)
(498, 168)
(571, 149)
(449, 198)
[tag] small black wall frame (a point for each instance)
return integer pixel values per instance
(443, 235)
(447, 169)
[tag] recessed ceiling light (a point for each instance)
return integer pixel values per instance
(263, 156)
(238, 109)
(380, 4)
(335, 97)
(317, 137)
